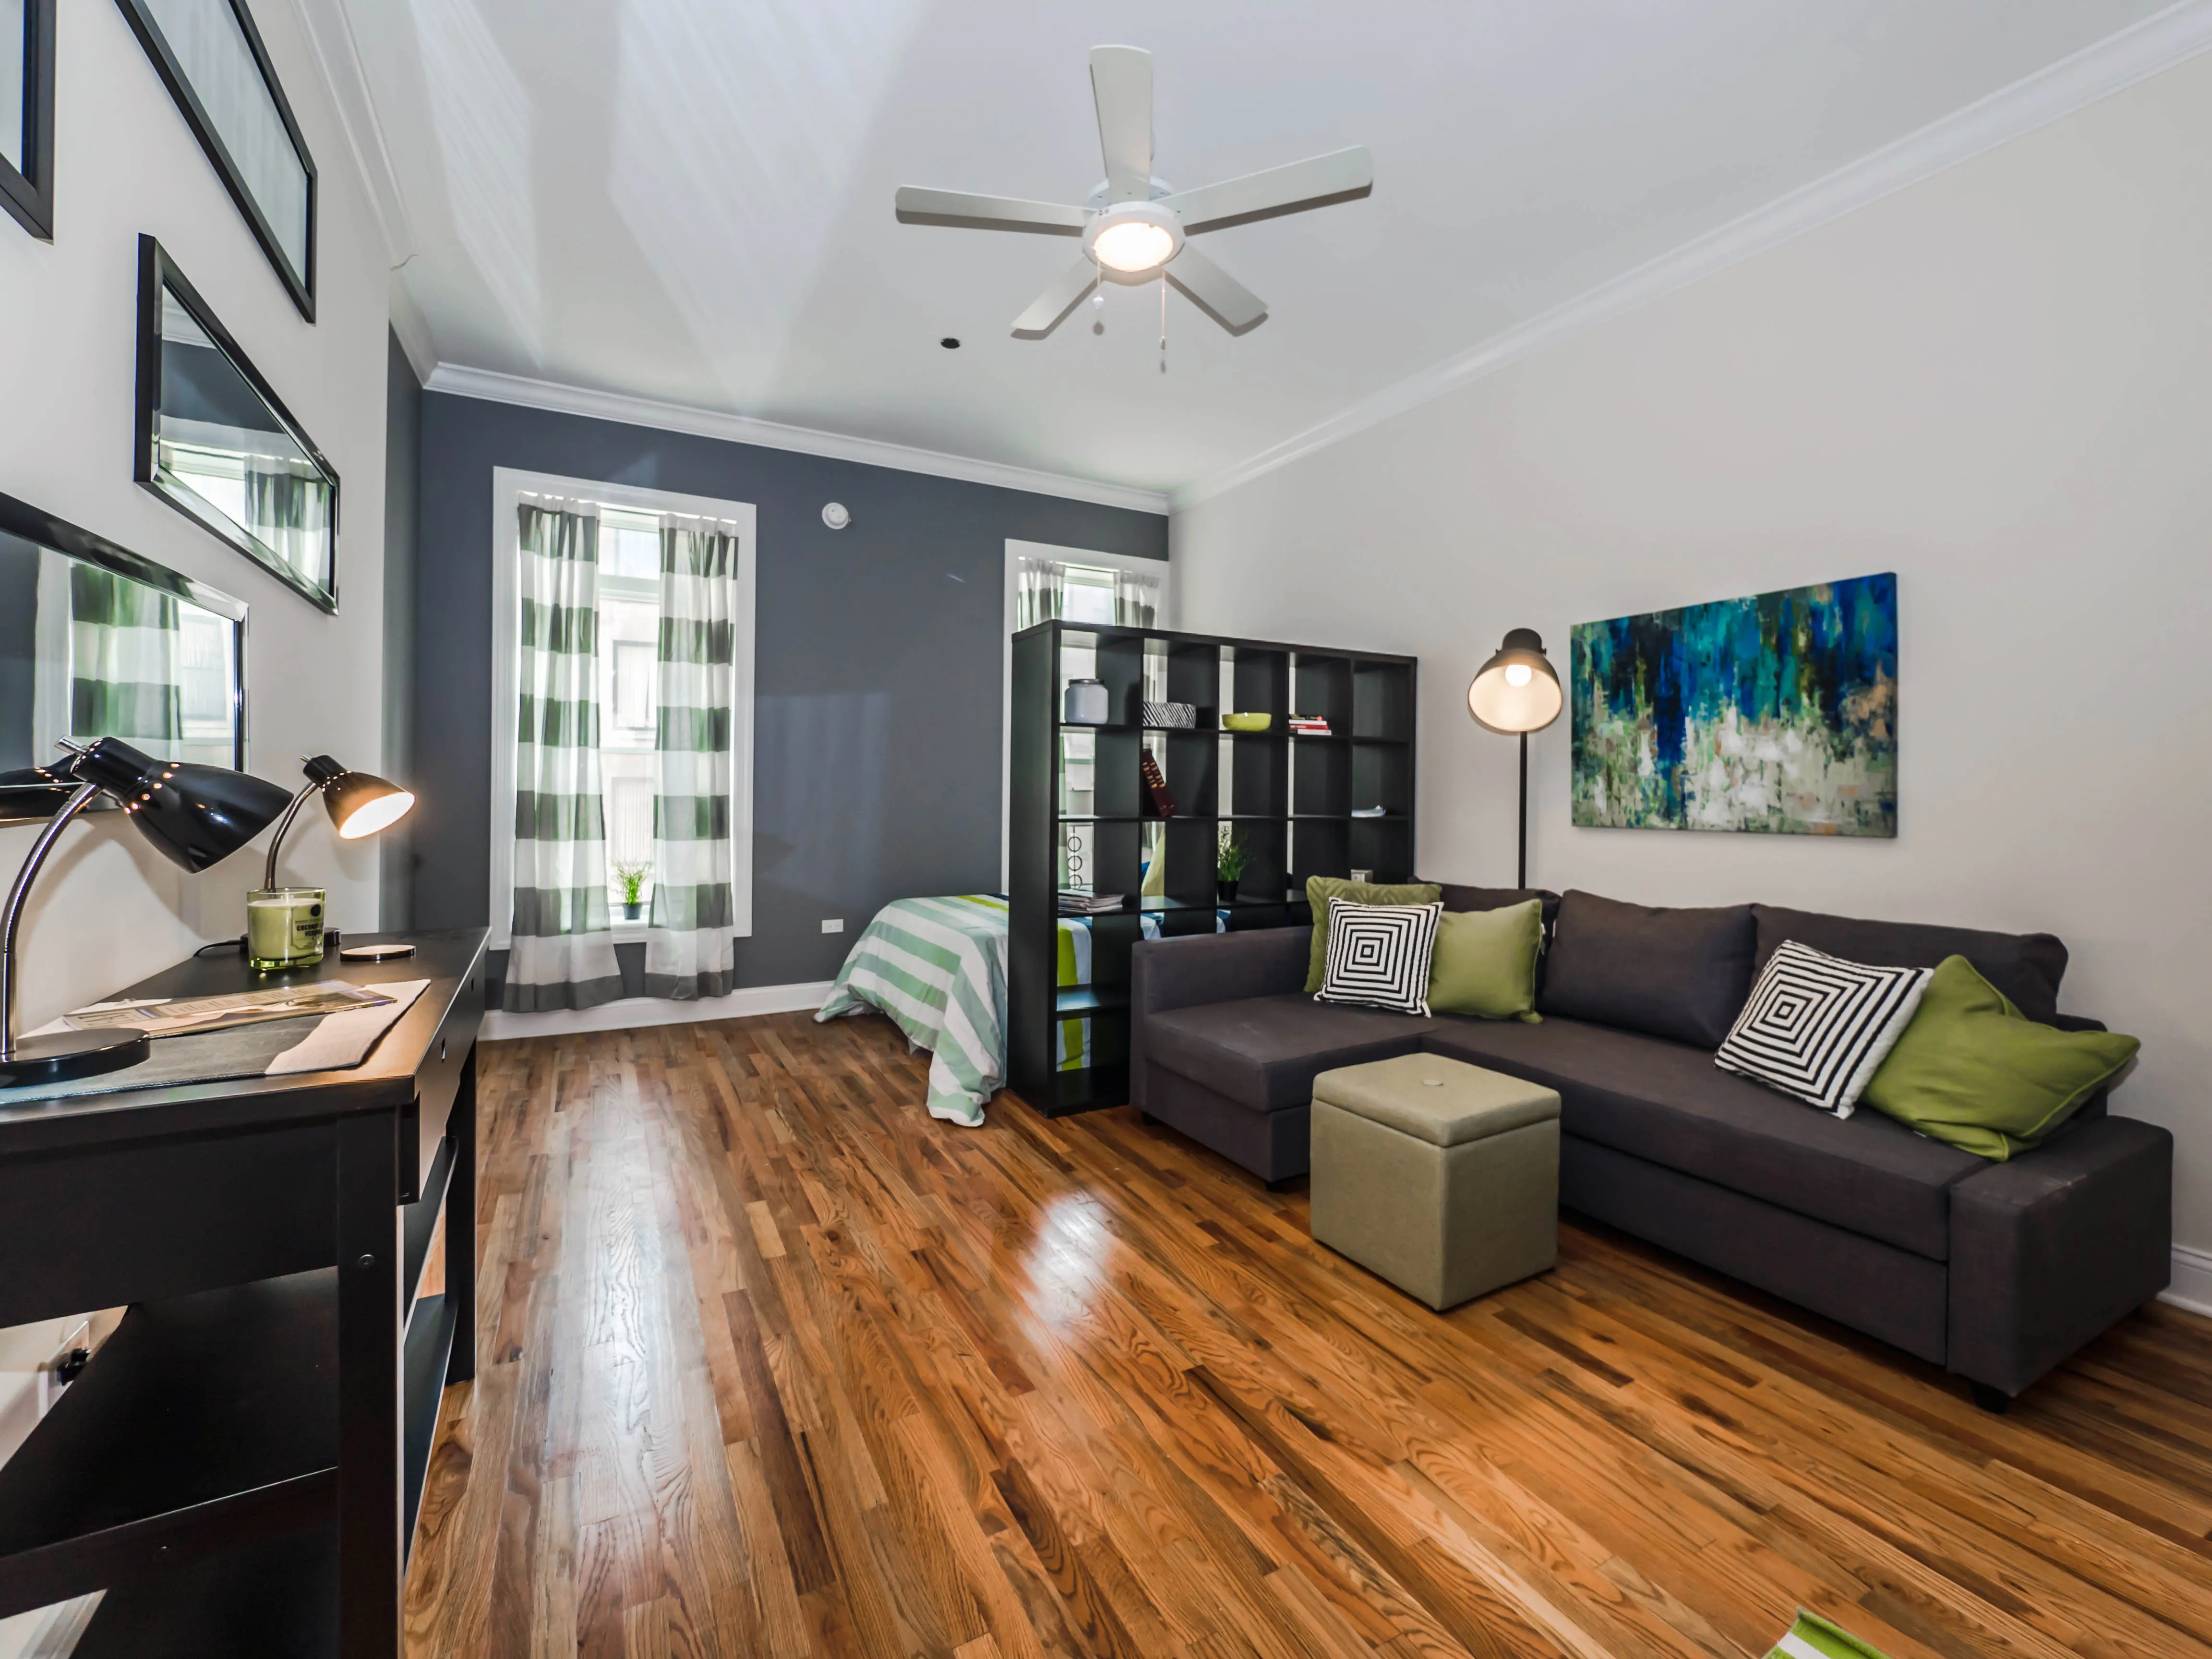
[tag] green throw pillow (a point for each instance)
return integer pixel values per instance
(1485, 962)
(1973, 1071)
(1320, 889)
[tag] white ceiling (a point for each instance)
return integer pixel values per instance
(690, 200)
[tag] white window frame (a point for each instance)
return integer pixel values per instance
(507, 487)
(1016, 552)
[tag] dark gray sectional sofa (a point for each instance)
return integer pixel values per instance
(1996, 1271)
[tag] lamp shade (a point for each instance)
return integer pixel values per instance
(359, 803)
(1516, 691)
(197, 815)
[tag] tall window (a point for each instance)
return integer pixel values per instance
(629, 643)
(635, 784)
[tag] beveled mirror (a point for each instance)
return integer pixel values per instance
(96, 641)
(216, 442)
(27, 113)
(210, 57)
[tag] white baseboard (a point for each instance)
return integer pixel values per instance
(2193, 1281)
(634, 1012)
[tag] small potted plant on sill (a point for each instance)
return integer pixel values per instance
(1229, 865)
(631, 878)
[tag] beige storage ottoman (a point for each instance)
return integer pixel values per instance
(1440, 1176)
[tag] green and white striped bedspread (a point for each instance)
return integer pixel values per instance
(937, 968)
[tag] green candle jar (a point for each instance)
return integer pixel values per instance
(284, 927)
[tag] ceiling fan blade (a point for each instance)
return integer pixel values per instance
(1215, 292)
(959, 208)
(1342, 175)
(1046, 311)
(1122, 85)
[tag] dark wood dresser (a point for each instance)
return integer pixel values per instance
(239, 1467)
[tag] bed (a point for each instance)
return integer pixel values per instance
(937, 968)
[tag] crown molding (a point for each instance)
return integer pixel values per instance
(330, 37)
(2134, 54)
(769, 435)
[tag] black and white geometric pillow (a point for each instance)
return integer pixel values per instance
(1819, 1028)
(1378, 955)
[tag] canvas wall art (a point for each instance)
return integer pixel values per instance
(1775, 714)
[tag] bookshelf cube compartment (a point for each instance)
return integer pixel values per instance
(1192, 846)
(1382, 775)
(1322, 686)
(1267, 863)
(1319, 849)
(1259, 771)
(1122, 665)
(1191, 761)
(1262, 683)
(1321, 778)
(1116, 786)
(1384, 846)
(1383, 700)
(1194, 677)
(1101, 858)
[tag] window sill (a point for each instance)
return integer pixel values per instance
(631, 932)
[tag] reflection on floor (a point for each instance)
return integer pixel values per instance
(776, 1366)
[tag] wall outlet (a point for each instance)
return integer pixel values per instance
(833, 924)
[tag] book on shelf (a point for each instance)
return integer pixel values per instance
(1158, 803)
(1073, 902)
(1309, 726)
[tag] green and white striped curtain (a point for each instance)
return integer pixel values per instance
(125, 674)
(563, 954)
(691, 944)
(289, 513)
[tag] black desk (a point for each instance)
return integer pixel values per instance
(240, 1466)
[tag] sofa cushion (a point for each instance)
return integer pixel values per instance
(1667, 1103)
(2026, 967)
(1265, 1052)
(1459, 899)
(1670, 973)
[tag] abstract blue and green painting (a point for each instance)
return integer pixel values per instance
(1776, 713)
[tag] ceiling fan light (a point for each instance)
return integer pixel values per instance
(1133, 244)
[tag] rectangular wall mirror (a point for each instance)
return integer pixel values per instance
(97, 642)
(27, 113)
(210, 57)
(216, 442)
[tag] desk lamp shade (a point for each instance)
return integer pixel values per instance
(1516, 691)
(197, 815)
(360, 804)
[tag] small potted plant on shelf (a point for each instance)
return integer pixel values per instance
(1229, 865)
(631, 878)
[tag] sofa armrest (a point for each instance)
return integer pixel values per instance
(2078, 1023)
(2050, 1247)
(1203, 968)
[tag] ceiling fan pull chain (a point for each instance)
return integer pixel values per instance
(1164, 322)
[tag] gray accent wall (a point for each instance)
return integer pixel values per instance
(877, 677)
(403, 457)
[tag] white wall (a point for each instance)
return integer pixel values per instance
(1999, 385)
(110, 909)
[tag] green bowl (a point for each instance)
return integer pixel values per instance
(1248, 722)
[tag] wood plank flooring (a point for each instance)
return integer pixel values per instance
(774, 1364)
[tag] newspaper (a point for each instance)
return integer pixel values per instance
(160, 1017)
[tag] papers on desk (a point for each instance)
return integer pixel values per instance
(161, 1016)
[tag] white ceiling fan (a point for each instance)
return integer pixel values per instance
(1135, 227)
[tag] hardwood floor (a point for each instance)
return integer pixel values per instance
(774, 1365)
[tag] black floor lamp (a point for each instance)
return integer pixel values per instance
(1516, 692)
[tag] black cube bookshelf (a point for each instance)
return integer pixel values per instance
(1301, 805)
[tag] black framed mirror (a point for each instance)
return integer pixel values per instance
(216, 442)
(210, 58)
(27, 113)
(96, 641)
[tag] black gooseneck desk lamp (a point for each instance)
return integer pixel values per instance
(1514, 693)
(197, 816)
(359, 803)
